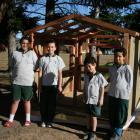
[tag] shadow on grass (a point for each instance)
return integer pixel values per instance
(135, 125)
(101, 133)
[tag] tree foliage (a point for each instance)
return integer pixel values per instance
(16, 20)
(133, 20)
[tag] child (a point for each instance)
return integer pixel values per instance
(51, 66)
(121, 79)
(23, 63)
(94, 95)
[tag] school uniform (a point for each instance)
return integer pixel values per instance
(22, 65)
(121, 81)
(92, 91)
(49, 66)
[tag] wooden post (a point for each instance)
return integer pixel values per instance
(76, 70)
(80, 61)
(32, 40)
(131, 53)
(136, 83)
(126, 45)
(71, 65)
(87, 46)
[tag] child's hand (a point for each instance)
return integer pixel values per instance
(60, 89)
(101, 102)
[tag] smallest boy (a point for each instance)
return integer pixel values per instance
(121, 81)
(94, 95)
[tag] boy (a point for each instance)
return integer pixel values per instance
(94, 95)
(50, 66)
(121, 80)
(23, 63)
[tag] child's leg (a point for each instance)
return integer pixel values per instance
(44, 106)
(27, 107)
(51, 104)
(122, 112)
(13, 110)
(112, 112)
(93, 123)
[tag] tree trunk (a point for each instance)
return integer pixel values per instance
(50, 10)
(93, 48)
(3, 7)
(12, 45)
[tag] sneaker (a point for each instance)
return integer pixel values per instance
(115, 137)
(49, 125)
(91, 136)
(86, 136)
(8, 124)
(43, 124)
(27, 123)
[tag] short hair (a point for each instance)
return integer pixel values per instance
(90, 60)
(121, 50)
(50, 41)
(25, 38)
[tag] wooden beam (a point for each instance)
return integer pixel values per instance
(70, 31)
(32, 40)
(126, 45)
(88, 20)
(108, 36)
(106, 25)
(59, 27)
(88, 35)
(52, 23)
(67, 25)
(103, 45)
(48, 36)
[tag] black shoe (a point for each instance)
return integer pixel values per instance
(91, 136)
(115, 137)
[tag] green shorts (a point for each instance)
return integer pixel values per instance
(22, 92)
(93, 110)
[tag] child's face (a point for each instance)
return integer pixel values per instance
(91, 68)
(119, 58)
(25, 45)
(51, 48)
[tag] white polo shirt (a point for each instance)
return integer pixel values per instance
(50, 66)
(121, 81)
(92, 87)
(23, 65)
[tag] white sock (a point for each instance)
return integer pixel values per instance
(28, 117)
(11, 118)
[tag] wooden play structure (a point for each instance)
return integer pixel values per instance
(84, 34)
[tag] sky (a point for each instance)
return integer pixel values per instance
(41, 9)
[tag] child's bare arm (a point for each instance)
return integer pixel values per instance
(101, 97)
(60, 81)
(40, 79)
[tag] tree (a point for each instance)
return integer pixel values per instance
(4, 4)
(133, 20)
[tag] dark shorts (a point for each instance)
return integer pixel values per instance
(24, 93)
(118, 112)
(93, 110)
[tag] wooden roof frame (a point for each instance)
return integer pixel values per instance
(87, 20)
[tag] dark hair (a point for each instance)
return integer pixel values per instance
(121, 50)
(25, 38)
(50, 41)
(90, 60)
